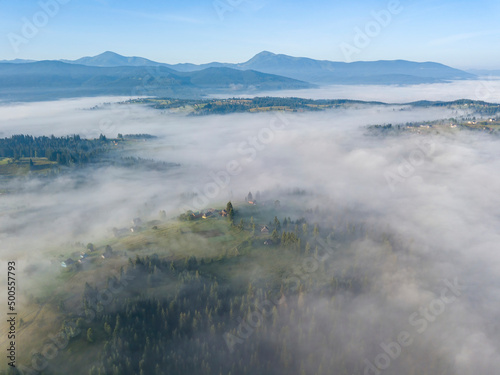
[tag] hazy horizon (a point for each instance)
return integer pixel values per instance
(410, 30)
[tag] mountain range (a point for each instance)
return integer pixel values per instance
(112, 74)
(306, 69)
(45, 80)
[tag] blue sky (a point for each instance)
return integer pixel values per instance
(463, 34)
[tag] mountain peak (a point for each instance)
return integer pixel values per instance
(109, 54)
(264, 54)
(103, 58)
(113, 59)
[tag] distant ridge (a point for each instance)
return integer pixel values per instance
(383, 71)
(16, 61)
(46, 80)
(306, 69)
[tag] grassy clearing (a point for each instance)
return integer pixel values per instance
(11, 167)
(39, 321)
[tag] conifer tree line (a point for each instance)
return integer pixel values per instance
(63, 150)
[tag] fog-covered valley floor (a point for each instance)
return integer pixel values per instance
(485, 88)
(429, 201)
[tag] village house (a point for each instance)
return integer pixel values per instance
(264, 229)
(196, 215)
(67, 262)
(207, 215)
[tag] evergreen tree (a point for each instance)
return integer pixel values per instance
(277, 224)
(308, 248)
(315, 230)
(230, 211)
(275, 236)
(90, 335)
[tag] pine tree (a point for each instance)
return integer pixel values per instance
(230, 211)
(277, 224)
(308, 248)
(107, 328)
(275, 236)
(90, 335)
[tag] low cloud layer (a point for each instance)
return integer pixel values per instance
(485, 89)
(444, 200)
